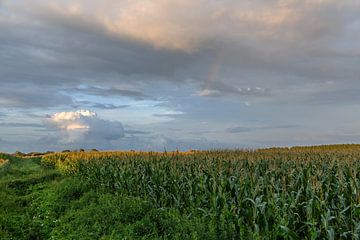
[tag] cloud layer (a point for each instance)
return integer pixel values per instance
(186, 25)
(220, 69)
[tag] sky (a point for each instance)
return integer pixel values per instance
(186, 74)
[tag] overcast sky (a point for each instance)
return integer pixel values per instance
(166, 74)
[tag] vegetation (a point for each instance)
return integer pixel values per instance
(278, 193)
(4, 165)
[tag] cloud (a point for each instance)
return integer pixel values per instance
(83, 126)
(278, 55)
(217, 89)
(241, 129)
(257, 44)
(14, 96)
(104, 106)
(110, 92)
(21, 125)
(158, 142)
(135, 132)
(169, 115)
(55, 60)
(186, 24)
(108, 106)
(209, 93)
(238, 129)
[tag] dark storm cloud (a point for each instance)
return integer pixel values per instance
(289, 126)
(21, 125)
(111, 92)
(72, 50)
(218, 89)
(238, 129)
(31, 115)
(167, 115)
(31, 97)
(135, 132)
(105, 106)
(198, 133)
(108, 106)
(45, 48)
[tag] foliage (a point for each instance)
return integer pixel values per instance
(279, 193)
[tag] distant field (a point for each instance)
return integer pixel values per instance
(278, 193)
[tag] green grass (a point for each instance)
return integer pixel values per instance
(20, 184)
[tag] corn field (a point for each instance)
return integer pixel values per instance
(280, 193)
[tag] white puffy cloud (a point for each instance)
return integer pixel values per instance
(220, 90)
(84, 126)
(209, 93)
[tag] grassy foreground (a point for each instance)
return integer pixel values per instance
(40, 203)
(297, 193)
